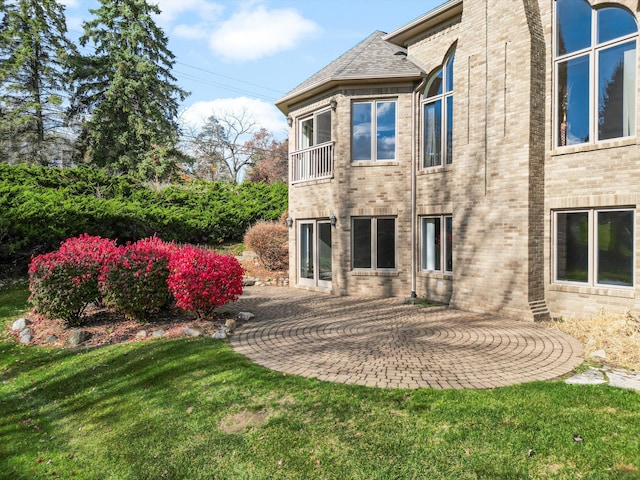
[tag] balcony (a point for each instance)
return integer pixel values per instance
(313, 163)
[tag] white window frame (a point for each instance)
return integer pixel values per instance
(374, 246)
(445, 159)
(591, 53)
(314, 118)
(442, 219)
(374, 129)
(592, 259)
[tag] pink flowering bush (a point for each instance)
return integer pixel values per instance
(134, 277)
(202, 280)
(64, 282)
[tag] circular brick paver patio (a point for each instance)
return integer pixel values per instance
(386, 343)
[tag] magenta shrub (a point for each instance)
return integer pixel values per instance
(64, 282)
(134, 278)
(202, 280)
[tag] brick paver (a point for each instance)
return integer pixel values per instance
(386, 343)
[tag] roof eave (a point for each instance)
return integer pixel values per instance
(438, 15)
(285, 102)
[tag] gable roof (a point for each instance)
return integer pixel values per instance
(372, 59)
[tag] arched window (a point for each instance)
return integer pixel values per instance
(595, 73)
(437, 117)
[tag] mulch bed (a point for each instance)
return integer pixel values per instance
(108, 327)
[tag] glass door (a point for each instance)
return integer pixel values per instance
(314, 254)
(325, 271)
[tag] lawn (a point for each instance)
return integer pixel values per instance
(191, 408)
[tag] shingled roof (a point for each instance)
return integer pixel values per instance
(373, 58)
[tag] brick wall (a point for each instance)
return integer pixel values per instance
(505, 182)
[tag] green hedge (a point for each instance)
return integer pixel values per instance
(40, 207)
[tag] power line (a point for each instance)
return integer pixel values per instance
(207, 81)
(279, 92)
(224, 86)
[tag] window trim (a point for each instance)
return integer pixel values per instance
(443, 97)
(592, 245)
(374, 246)
(374, 129)
(312, 116)
(592, 54)
(443, 253)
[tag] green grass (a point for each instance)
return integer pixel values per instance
(155, 409)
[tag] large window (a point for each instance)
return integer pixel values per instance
(314, 129)
(373, 130)
(595, 71)
(374, 243)
(595, 247)
(437, 244)
(437, 117)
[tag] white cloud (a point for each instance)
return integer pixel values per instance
(256, 32)
(264, 114)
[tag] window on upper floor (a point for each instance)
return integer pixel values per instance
(374, 243)
(595, 247)
(373, 130)
(437, 117)
(437, 244)
(314, 129)
(595, 73)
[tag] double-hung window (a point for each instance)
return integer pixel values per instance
(374, 243)
(437, 117)
(595, 247)
(437, 244)
(595, 73)
(373, 130)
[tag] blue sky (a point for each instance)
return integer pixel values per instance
(245, 54)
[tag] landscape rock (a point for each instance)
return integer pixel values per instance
(593, 376)
(221, 334)
(25, 339)
(52, 338)
(19, 324)
(191, 332)
(231, 324)
(77, 337)
(248, 282)
(26, 331)
(141, 334)
(246, 316)
(598, 355)
(158, 333)
(624, 379)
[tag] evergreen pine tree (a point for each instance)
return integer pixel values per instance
(126, 91)
(34, 54)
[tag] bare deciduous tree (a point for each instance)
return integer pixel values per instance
(221, 145)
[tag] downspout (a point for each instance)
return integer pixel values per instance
(414, 168)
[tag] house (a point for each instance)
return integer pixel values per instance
(484, 155)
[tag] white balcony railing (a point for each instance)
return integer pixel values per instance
(313, 163)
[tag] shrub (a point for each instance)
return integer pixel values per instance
(270, 241)
(202, 280)
(134, 277)
(42, 206)
(64, 282)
